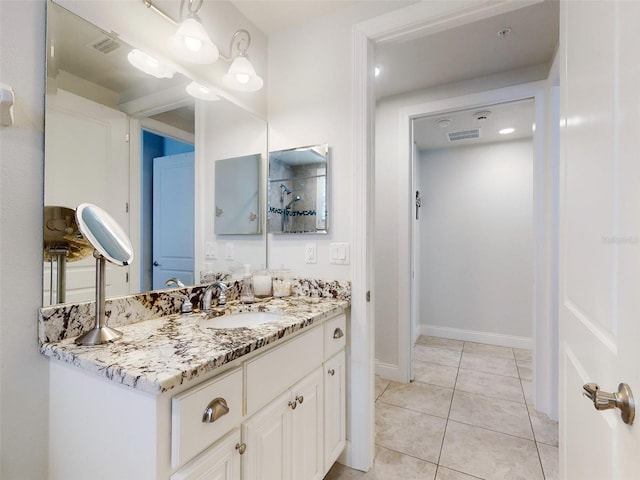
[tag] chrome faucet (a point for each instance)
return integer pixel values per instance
(174, 281)
(205, 303)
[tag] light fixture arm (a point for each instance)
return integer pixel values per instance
(238, 46)
(151, 6)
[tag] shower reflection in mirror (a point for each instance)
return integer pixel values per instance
(298, 190)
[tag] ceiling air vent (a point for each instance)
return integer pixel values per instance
(464, 134)
(105, 45)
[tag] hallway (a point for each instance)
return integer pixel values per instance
(468, 415)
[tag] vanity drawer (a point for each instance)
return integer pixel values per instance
(275, 371)
(190, 431)
(335, 335)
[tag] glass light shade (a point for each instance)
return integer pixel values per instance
(148, 64)
(201, 92)
(191, 42)
(242, 76)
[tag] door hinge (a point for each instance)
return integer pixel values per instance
(126, 137)
(126, 277)
(126, 207)
(368, 296)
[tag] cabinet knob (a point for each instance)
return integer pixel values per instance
(216, 409)
(338, 333)
(241, 447)
(300, 398)
(331, 372)
(293, 405)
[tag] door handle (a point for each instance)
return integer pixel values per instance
(622, 399)
(156, 264)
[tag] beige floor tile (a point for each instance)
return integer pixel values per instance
(523, 355)
(526, 373)
(381, 385)
(544, 429)
(340, 472)
(488, 350)
(484, 363)
(440, 356)
(434, 374)
(455, 345)
(499, 386)
(420, 397)
(550, 459)
(489, 455)
(448, 474)
(492, 413)
(527, 387)
(412, 433)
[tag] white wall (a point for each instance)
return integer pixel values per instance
(309, 103)
(389, 189)
(24, 373)
(476, 247)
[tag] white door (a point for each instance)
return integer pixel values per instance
(220, 462)
(87, 162)
(600, 232)
(335, 414)
(173, 219)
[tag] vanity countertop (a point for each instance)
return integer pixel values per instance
(157, 355)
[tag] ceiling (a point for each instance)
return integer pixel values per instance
(469, 51)
(520, 115)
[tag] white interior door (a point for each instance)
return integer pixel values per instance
(600, 228)
(173, 219)
(87, 162)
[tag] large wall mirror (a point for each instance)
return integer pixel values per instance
(130, 143)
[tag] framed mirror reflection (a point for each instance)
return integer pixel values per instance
(298, 202)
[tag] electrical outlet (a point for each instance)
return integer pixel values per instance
(229, 254)
(310, 253)
(211, 251)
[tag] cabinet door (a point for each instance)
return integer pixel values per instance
(307, 422)
(334, 409)
(268, 438)
(220, 462)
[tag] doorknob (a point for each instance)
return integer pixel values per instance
(622, 399)
(156, 264)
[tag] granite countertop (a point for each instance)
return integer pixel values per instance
(157, 355)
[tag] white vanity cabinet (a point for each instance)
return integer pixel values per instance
(277, 414)
(284, 440)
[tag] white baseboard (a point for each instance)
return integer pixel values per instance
(388, 371)
(475, 336)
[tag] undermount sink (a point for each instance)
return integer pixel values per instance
(244, 319)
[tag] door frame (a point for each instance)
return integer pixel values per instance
(135, 181)
(419, 19)
(545, 194)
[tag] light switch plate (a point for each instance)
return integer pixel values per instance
(339, 253)
(310, 253)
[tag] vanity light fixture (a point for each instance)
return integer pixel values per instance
(506, 131)
(241, 75)
(148, 64)
(191, 41)
(201, 92)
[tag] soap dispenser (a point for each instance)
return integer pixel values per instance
(246, 292)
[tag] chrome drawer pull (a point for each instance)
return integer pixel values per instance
(293, 405)
(241, 447)
(216, 409)
(300, 398)
(331, 372)
(338, 333)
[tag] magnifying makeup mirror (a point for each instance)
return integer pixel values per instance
(110, 243)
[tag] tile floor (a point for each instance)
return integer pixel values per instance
(467, 416)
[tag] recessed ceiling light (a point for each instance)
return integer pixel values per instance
(202, 92)
(507, 131)
(444, 122)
